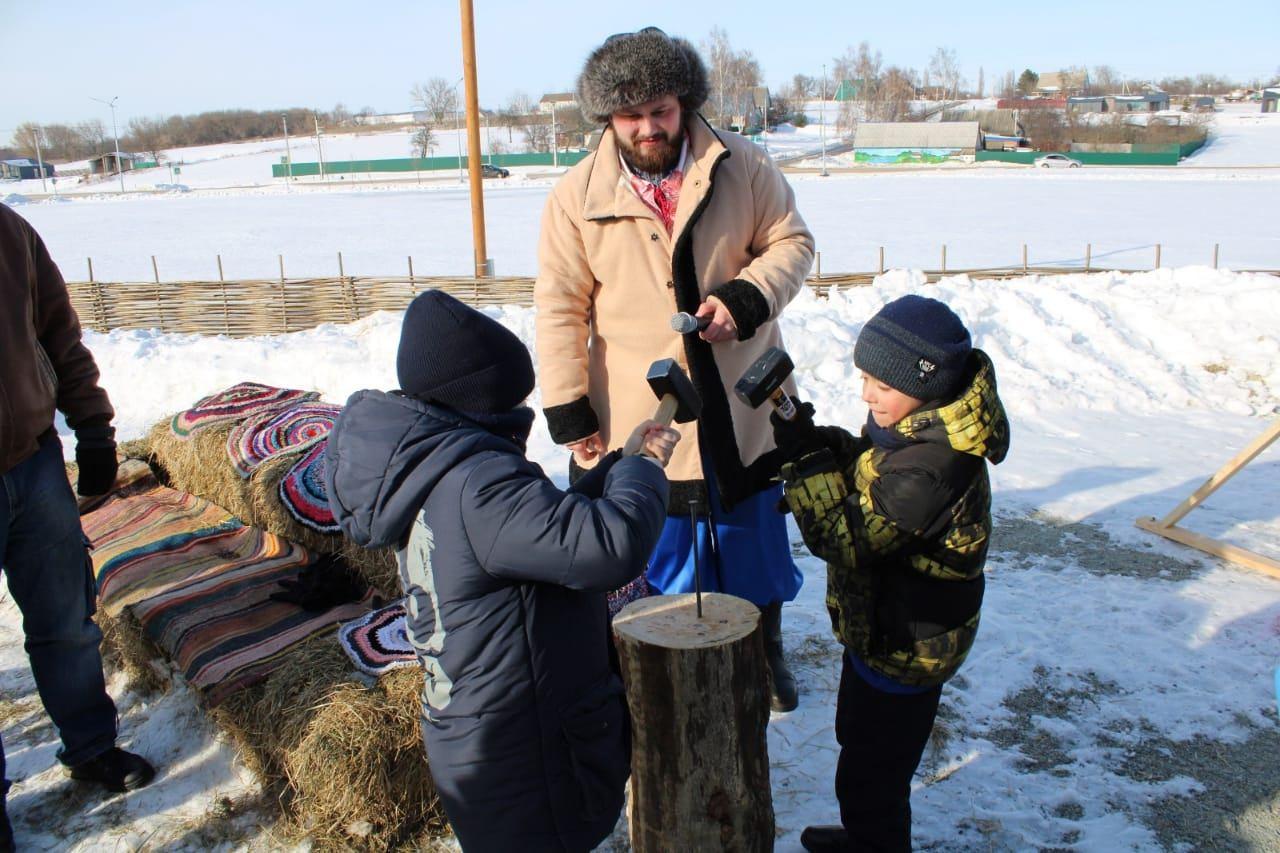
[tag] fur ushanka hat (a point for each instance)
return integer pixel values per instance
(634, 68)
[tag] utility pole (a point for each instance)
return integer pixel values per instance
(116, 133)
(39, 158)
(483, 265)
(555, 149)
(823, 121)
(319, 147)
(288, 154)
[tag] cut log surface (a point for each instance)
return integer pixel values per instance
(699, 704)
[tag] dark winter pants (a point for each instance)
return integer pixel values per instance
(882, 736)
(42, 554)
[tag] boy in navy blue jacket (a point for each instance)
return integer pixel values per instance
(505, 577)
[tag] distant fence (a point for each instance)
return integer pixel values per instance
(1140, 155)
(273, 306)
(420, 164)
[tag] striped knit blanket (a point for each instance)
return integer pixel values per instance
(264, 435)
(198, 581)
(235, 404)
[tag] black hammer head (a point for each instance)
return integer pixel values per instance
(665, 377)
(763, 377)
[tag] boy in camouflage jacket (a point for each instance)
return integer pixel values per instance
(902, 515)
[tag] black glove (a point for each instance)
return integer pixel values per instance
(97, 469)
(320, 586)
(797, 437)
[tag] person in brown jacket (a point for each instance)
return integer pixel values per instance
(672, 215)
(44, 366)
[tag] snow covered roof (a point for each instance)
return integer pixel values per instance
(916, 134)
(24, 161)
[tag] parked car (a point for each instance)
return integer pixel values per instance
(1052, 160)
(488, 171)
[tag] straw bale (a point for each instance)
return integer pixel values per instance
(338, 752)
(125, 647)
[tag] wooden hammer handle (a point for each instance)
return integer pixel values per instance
(666, 409)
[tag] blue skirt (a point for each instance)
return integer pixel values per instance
(751, 558)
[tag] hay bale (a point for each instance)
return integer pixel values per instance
(346, 758)
(125, 647)
(199, 465)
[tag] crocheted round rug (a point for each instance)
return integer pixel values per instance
(265, 435)
(379, 641)
(303, 493)
(236, 402)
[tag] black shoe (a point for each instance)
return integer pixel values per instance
(116, 770)
(824, 839)
(783, 695)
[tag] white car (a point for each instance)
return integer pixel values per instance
(1052, 160)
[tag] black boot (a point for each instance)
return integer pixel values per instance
(115, 770)
(782, 684)
(824, 839)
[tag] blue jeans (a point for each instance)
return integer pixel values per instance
(44, 557)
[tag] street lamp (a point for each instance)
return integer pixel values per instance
(116, 134)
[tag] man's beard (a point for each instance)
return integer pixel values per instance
(652, 159)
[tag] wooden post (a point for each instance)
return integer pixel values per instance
(155, 269)
(1157, 256)
(944, 258)
(413, 285)
(1088, 256)
(818, 256)
(882, 260)
(90, 260)
(1215, 256)
(1024, 258)
(222, 287)
(284, 311)
(699, 703)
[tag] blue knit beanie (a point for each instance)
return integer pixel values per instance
(916, 345)
(453, 354)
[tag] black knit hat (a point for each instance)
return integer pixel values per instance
(916, 345)
(452, 354)
(635, 68)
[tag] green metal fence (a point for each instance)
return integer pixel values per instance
(419, 164)
(1141, 155)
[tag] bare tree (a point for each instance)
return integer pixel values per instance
(340, 115)
(435, 96)
(803, 87)
(25, 138)
(424, 141)
(731, 75)
(945, 71)
(1103, 80)
(897, 91)
(537, 136)
(93, 136)
(148, 136)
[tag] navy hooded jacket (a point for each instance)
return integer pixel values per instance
(505, 578)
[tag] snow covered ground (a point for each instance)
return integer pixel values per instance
(1121, 694)
(1106, 656)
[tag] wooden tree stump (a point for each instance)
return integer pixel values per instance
(699, 704)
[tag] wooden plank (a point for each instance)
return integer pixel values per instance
(1213, 547)
(1226, 472)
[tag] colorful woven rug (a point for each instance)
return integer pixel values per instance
(235, 403)
(199, 582)
(378, 642)
(265, 435)
(303, 493)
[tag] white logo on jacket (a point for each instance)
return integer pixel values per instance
(420, 580)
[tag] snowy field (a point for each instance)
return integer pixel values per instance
(1108, 659)
(1121, 695)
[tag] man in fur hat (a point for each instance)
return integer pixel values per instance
(672, 215)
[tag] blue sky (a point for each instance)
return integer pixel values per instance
(186, 57)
